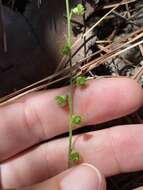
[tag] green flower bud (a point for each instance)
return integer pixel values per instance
(80, 81)
(78, 10)
(65, 50)
(75, 119)
(61, 100)
(74, 156)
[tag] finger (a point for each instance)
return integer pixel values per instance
(38, 117)
(139, 188)
(112, 151)
(71, 179)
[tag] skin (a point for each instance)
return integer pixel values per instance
(26, 123)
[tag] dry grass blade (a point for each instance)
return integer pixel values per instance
(138, 74)
(115, 4)
(117, 43)
(6, 100)
(115, 52)
(40, 84)
(105, 58)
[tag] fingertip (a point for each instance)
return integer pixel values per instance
(132, 94)
(96, 172)
(108, 98)
(84, 176)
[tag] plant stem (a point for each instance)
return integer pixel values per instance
(70, 129)
(68, 23)
(84, 38)
(70, 95)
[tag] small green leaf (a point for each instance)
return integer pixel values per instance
(61, 100)
(80, 81)
(65, 50)
(74, 155)
(78, 10)
(75, 119)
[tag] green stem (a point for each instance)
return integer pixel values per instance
(70, 96)
(68, 23)
(70, 129)
(84, 38)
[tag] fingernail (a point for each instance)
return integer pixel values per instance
(82, 177)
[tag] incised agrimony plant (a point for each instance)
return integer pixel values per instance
(67, 99)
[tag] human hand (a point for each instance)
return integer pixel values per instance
(36, 118)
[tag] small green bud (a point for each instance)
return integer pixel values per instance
(80, 81)
(65, 50)
(78, 10)
(61, 100)
(74, 156)
(75, 119)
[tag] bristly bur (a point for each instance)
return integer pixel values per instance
(78, 10)
(80, 81)
(75, 120)
(65, 50)
(61, 100)
(74, 156)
